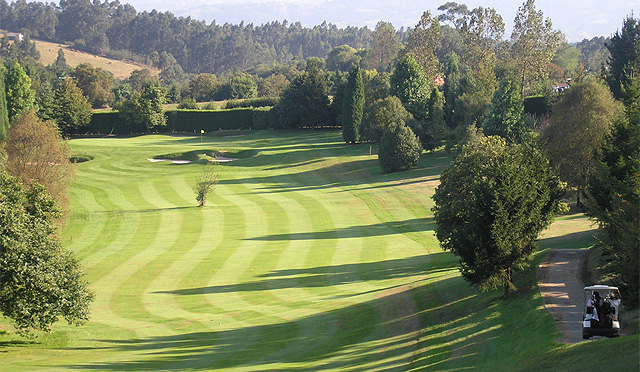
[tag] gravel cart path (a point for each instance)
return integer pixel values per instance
(561, 287)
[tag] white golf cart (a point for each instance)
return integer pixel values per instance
(602, 311)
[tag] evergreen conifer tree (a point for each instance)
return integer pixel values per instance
(4, 114)
(353, 106)
(506, 116)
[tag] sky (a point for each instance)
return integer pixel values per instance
(577, 19)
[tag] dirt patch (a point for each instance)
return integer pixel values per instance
(562, 288)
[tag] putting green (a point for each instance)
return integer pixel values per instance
(305, 257)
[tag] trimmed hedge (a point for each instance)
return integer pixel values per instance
(192, 121)
(252, 102)
(195, 120)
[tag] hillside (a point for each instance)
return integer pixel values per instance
(119, 69)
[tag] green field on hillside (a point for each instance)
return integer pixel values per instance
(306, 258)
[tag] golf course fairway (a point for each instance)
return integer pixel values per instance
(305, 257)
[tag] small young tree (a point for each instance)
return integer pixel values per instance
(206, 182)
(399, 149)
(492, 203)
(353, 106)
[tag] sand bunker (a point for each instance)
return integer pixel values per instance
(219, 159)
(174, 161)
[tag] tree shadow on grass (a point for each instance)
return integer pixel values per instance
(349, 337)
(379, 229)
(576, 240)
(326, 276)
(14, 342)
(356, 173)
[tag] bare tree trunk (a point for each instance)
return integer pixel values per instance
(508, 284)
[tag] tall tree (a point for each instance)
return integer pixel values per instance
(482, 32)
(581, 119)
(454, 13)
(412, 86)
(492, 203)
(384, 47)
(71, 109)
(613, 199)
(85, 23)
(434, 128)
(452, 87)
(534, 43)
(39, 280)
(423, 43)
(506, 116)
(353, 106)
(20, 96)
(624, 63)
(4, 113)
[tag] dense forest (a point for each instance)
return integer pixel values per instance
(119, 31)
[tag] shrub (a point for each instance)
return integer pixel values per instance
(188, 104)
(400, 149)
(81, 158)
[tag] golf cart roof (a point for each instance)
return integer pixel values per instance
(600, 287)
